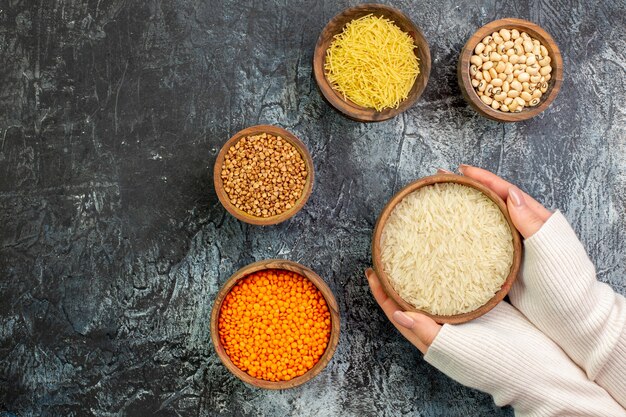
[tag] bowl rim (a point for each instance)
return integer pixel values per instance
(377, 251)
(347, 107)
(219, 184)
(317, 281)
(535, 31)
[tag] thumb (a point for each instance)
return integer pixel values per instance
(423, 327)
(525, 219)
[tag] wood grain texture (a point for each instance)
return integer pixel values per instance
(223, 195)
(113, 243)
(377, 247)
(536, 32)
(319, 284)
(335, 27)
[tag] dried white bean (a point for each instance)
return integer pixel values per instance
(486, 76)
(487, 65)
(497, 82)
(486, 100)
(479, 48)
(475, 83)
(508, 100)
(528, 46)
(505, 34)
(545, 70)
(504, 108)
(495, 105)
(500, 97)
(526, 96)
(514, 33)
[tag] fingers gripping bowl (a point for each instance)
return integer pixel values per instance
(445, 246)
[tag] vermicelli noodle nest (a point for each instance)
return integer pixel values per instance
(447, 249)
(372, 63)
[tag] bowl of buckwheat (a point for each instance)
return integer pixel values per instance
(510, 70)
(263, 175)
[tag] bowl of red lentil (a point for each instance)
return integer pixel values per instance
(275, 324)
(263, 175)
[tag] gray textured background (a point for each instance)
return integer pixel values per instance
(113, 243)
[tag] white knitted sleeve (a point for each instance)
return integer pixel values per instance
(558, 292)
(503, 354)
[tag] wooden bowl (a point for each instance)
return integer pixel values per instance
(219, 185)
(319, 284)
(534, 31)
(377, 251)
(336, 26)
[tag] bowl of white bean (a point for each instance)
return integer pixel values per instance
(510, 70)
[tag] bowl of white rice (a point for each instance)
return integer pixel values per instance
(445, 246)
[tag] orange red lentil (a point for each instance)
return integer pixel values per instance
(274, 325)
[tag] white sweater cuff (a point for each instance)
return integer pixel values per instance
(558, 292)
(501, 353)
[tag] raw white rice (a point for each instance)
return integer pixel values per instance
(447, 248)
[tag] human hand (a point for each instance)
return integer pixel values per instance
(503, 354)
(417, 328)
(558, 290)
(527, 214)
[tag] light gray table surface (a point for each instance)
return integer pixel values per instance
(113, 243)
